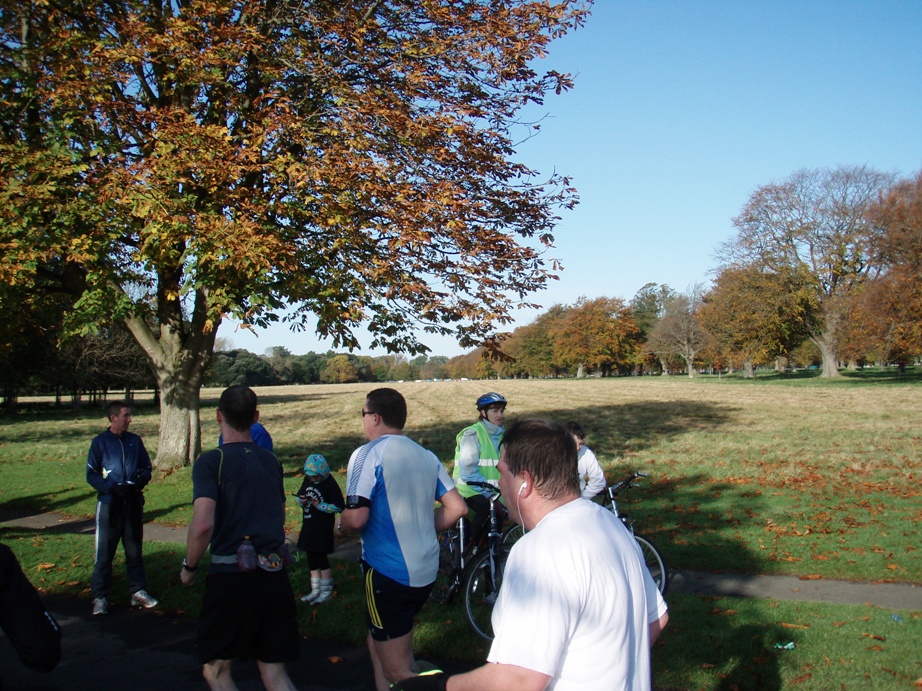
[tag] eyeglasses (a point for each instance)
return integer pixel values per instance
(368, 412)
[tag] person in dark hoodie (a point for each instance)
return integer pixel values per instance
(33, 632)
(118, 467)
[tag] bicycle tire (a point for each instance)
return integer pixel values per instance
(512, 534)
(480, 591)
(448, 579)
(655, 564)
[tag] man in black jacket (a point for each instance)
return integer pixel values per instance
(118, 467)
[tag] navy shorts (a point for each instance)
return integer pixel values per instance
(248, 615)
(390, 607)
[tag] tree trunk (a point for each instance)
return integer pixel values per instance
(748, 369)
(828, 352)
(580, 371)
(178, 356)
(180, 439)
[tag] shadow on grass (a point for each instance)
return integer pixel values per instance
(703, 640)
(62, 501)
(870, 375)
(691, 520)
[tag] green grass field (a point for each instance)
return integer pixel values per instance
(791, 475)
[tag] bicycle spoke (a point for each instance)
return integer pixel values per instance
(655, 563)
(480, 591)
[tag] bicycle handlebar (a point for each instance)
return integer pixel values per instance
(484, 485)
(625, 483)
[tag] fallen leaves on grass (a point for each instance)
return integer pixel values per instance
(811, 576)
(874, 636)
(801, 679)
(793, 626)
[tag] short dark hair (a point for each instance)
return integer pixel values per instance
(546, 450)
(576, 430)
(238, 406)
(390, 405)
(115, 407)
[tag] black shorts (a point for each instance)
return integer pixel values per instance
(390, 607)
(248, 615)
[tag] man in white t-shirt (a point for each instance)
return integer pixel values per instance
(391, 485)
(577, 609)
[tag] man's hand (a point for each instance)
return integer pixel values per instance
(429, 682)
(187, 577)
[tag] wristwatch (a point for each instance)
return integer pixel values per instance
(186, 566)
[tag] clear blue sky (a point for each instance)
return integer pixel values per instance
(682, 108)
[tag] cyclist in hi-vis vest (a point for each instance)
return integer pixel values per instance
(476, 456)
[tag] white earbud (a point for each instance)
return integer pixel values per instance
(522, 488)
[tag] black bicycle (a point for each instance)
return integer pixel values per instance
(474, 568)
(651, 556)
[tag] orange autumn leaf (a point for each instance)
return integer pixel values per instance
(801, 679)
(811, 577)
(794, 626)
(334, 659)
(44, 567)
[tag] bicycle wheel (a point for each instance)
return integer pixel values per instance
(481, 586)
(512, 534)
(448, 579)
(655, 563)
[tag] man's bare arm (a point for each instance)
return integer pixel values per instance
(499, 677)
(451, 510)
(353, 520)
(657, 627)
(199, 535)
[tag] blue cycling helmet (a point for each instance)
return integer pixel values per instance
(489, 399)
(316, 464)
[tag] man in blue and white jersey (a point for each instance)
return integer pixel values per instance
(391, 485)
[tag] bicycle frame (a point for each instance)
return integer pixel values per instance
(467, 552)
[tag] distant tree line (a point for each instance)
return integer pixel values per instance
(824, 270)
(278, 367)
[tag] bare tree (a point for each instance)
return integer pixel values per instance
(817, 221)
(679, 331)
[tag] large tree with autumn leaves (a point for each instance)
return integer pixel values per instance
(815, 223)
(166, 163)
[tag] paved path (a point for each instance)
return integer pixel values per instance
(152, 650)
(890, 595)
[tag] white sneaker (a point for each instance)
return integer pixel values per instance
(143, 599)
(100, 606)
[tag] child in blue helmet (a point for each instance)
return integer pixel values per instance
(321, 499)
